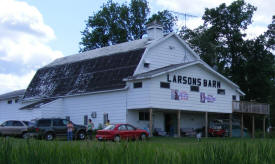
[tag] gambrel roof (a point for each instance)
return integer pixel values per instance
(89, 75)
(14, 94)
(98, 70)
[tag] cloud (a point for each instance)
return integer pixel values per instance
(10, 82)
(24, 45)
(262, 17)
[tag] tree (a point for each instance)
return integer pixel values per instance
(166, 19)
(116, 23)
(107, 26)
(221, 43)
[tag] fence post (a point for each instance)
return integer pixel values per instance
(151, 122)
(178, 123)
(206, 124)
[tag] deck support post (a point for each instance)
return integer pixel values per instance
(206, 125)
(151, 122)
(242, 125)
(264, 126)
(253, 126)
(178, 123)
(230, 125)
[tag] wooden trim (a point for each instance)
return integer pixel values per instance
(242, 125)
(264, 127)
(206, 125)
(178, 123)
(230, 125)
(151, 122)
(253, 126)
(250, 107)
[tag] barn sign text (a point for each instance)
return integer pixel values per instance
(193, 81)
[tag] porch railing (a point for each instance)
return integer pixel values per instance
(250, 107)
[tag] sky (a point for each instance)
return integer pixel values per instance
(33, 33)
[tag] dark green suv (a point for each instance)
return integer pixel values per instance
(50, 128)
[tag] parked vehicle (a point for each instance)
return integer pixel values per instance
(50, 128)
(116, 132)
(15, 128)
(216, 129)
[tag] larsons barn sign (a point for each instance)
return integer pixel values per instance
(193, 81)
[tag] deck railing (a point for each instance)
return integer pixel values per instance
(250, 107)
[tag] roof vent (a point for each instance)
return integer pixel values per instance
(154, 30)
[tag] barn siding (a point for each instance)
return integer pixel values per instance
(12, 112)
(113, 103)
(161, 97)
(161, 55)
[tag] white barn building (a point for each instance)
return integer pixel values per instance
(155, 82)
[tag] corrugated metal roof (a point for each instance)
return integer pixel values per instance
(13, 94)
(85, 76)
(104, 51)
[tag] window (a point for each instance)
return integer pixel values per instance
(28, 123)
(122, 127)
(93, 115)
(8, 123)
(144, 116)
(146, 65)
(194, 88)
(164, 85)
(109, 127)
(105, 118)
(221, 91)
(129, 127)
(17, 123)
(10, 102)
(44, 123)
(138, 85)
(16, 100)
(234, 98)
(86, 120)
(58, 122)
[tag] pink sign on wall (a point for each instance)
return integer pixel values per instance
(178, 95)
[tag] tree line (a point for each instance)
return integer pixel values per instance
(221, 41)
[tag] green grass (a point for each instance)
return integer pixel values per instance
(154, 150)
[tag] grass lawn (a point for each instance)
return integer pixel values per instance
(154, 150)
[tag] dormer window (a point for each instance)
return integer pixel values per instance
(138, 85)
(146, 65)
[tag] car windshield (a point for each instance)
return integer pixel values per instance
(29, 123)
(109, 127)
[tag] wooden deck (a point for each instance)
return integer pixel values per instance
(250, 107)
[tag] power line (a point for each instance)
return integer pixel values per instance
(185, 15)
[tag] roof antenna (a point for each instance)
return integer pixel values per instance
(184, 15)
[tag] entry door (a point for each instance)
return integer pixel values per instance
(170, 123)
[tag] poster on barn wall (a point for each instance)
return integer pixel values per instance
(178, 95)
(202, 95)
(208, 98)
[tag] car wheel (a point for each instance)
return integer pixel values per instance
(25, 135)
(143, 137)
(49, 136)
(117, 138)
(81, 135)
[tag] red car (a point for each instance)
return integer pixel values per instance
(116, 132)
